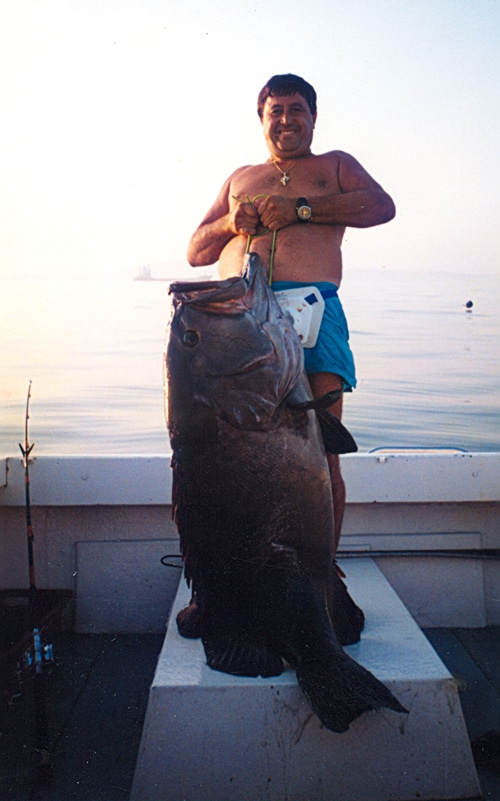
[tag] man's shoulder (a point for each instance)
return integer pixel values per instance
(334, 155)
(342, 163)
(331, 162)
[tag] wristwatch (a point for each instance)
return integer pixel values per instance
(303, 210)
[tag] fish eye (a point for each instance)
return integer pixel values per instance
(190, 338)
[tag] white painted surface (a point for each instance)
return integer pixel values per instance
(421, 477)
(442, 592)
(123, 586)
(90, 481)
(213, 737)
(145, 480)
(432, 588)
(80, 499)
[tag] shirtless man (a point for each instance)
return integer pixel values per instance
(309, 200)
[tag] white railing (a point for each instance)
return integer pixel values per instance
(146, 480)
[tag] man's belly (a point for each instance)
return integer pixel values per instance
(298, 255)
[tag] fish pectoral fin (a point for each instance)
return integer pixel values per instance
(241, 656)
(317, 403)
(339, 690)
(336, 437)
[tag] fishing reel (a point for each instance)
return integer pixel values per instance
(39, 654)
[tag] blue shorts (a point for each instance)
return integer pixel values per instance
(332, 353)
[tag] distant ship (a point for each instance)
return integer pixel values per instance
(145, 274)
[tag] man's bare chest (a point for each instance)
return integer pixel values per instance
(303, 178)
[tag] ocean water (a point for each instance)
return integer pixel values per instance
(428, 370)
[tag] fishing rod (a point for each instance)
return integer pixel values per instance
(39, 653)
(26, 451)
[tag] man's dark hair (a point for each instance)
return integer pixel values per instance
(283, 86)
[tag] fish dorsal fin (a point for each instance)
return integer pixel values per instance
(319, 403)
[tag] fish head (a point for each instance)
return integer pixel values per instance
(231, 351)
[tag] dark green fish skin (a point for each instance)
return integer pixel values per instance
(252, 495)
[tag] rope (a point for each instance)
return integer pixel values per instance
(271, 258)
(266, 231)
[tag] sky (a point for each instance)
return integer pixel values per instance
(121, 119)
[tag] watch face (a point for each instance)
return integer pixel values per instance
(304, 213)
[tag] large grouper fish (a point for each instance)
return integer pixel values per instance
(252, 496)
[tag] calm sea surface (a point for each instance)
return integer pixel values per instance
(428, 371)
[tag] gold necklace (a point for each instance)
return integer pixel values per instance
(285, 177)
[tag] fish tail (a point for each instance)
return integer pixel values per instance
(339, 690)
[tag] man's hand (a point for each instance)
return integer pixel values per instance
(276, 211)
(244, 219)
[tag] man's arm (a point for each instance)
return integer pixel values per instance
(361, 203)
(224, 221)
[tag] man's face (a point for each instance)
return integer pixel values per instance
(288, 126)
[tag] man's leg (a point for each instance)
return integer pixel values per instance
(348, 619)
(321, 383)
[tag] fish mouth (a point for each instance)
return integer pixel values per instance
(222, 307)
(225, 306)
(211, 295)
(230, 296)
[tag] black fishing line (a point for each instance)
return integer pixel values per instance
(459, 553)
(171, 556)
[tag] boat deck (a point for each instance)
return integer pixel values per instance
(96, 702)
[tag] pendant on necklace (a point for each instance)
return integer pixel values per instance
(284, 175)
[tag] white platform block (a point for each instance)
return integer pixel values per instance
(213, 737)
